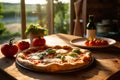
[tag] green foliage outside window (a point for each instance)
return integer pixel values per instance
(12, 11)
(61, 18)
(5, 35)
(2, 28)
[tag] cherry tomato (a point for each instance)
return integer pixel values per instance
(104, 42)
(38, 42)
(98, 42)
(91, 43)
(9, 50)
(87, 42)
(22, 45)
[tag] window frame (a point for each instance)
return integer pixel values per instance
(23, 19)
(50, 17)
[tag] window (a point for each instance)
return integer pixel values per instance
(10, 20)
(53, 14)
(61, 16)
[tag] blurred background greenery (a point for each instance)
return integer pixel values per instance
(10, 18)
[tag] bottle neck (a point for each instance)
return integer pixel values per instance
(91, 20)
(91, 24)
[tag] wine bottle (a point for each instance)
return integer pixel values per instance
(91, 28)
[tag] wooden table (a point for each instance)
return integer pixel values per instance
(107, 62)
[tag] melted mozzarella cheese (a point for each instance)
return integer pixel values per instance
(35, 57)
(61, 51)
(69, 59)
(51, 60)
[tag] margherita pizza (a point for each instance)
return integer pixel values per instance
(54, 58)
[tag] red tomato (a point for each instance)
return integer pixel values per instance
(22, 45)
(91, 43)
(87, 42)
(104, 42)
(9, 50)
(38, 42)
(98, 43)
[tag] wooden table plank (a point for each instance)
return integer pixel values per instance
(5, 76)
(107, 63)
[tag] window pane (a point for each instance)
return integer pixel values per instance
(61, 16)
(10, 21)
(36, 12)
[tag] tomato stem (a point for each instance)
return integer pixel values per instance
(39, 37)
(11, 41)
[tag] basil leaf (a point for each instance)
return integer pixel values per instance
(42, 55)
(77, 50)
(73, 54)
(51, 51)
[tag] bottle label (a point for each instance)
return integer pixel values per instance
(91, 34)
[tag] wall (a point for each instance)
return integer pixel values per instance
(105, 9)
